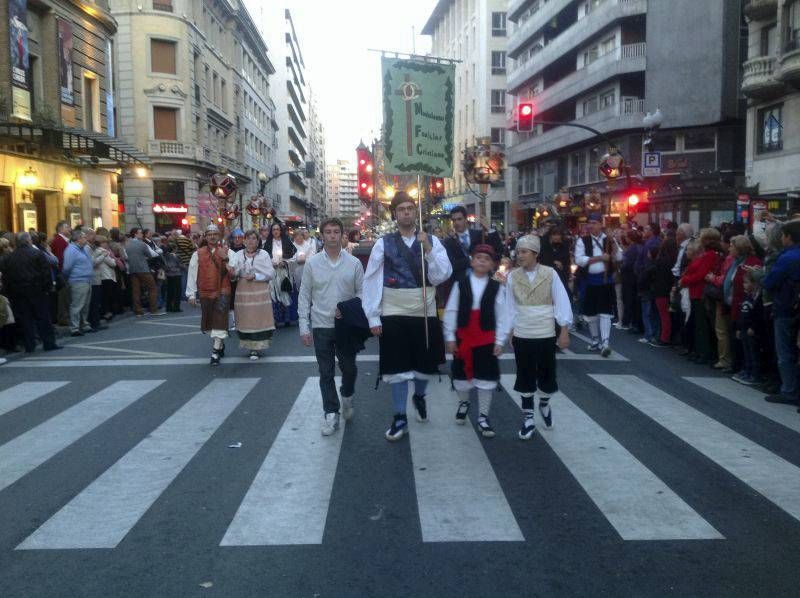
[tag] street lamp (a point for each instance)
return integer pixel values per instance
(28, 179)
(651, 123)
(74, 186)
(262, 182)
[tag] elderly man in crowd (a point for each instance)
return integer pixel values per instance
(79, 272)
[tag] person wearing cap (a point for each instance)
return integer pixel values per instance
(394, 306)
(536, 301)
(209, 277)
(476, 327)
(597, 253)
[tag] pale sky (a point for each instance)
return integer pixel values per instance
(334, 38)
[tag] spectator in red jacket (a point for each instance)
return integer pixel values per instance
(695, 280)
(58, 246)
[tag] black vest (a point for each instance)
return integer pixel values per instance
(488, 320)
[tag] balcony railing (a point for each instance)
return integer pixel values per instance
(535, 22)
(759, 77)
(790, 60)
(572, 38)
(170, 149)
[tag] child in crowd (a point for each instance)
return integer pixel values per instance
(750, 329)
(475, 329)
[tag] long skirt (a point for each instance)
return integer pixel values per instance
(254, 320)
(286, 314)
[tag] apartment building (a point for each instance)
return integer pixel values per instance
(193, 87)
(317, 187)
(474, 32)
(342, 183)
(60, 157)
(771, 82)
(606, 63)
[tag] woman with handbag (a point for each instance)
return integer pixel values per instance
(706, 261)
(284, 297)
(254, 321)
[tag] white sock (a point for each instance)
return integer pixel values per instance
(594, 327)
(484, 401)
(605, 327)
(217, 343)
(544, 405)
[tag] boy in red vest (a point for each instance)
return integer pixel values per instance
(476, 326)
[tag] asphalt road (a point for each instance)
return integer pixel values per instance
(121, 474)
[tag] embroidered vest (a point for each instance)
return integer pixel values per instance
(488, 318)
(402, 264)
(211, 283)
(535, 316)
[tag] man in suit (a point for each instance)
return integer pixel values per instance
(58, 246)
(461, 244)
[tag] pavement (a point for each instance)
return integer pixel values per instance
(129, 467)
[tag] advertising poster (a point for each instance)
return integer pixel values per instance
(418, 104)
(65, 75)
(20, 59)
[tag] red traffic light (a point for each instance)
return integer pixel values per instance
(365, 169)
(436, 188)
(184, 222)
(525, 117)
(633, 200)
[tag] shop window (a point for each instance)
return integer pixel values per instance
(699, 140)
(162, 56)
(770, 126)
(664, 142)
(165, 123)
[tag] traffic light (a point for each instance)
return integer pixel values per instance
(633, 200)
(365, 170)
(436, 189)
(525, 117)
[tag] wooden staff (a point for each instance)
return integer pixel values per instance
(422, 254)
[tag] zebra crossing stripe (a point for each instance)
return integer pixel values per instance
(288, 500)
(767, 473)
(631, 497)
(751, 399)
(103, 513)
(458, 494)
(26, 452)
(24, 393)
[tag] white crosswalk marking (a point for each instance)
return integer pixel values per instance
(288, 500)
(29, 450)
(24, 393)
(767, 473)
(633, 499)
(458, 495)
(751, 399)
(101, 515)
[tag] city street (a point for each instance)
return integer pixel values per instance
(129, 467)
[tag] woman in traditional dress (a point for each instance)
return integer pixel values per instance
(254, 322)
(284, 297)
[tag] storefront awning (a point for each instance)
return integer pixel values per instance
(75, 146)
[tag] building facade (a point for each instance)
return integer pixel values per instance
(194, 94)
(317, 186)
(474, 32)
(604, 64)
(60, 158)
(342, 183)
(771, 82)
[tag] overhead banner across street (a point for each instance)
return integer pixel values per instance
(418, 103)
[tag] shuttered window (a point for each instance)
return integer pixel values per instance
(165, 123)
(162, 56)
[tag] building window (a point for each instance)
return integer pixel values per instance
(498, 135)
(165, 123)
(769, 37)
(498, 24)
(607, 99)
(792, 31)
(702, 140)
(578, 168)
(498, 101)
(165, 5)
(91, 103)
(169, 192)
(498, 62)
(590, 106)
(770, 124)
(664, 142)
(222, 94)
(162, 56)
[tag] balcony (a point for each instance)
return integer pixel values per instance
(171, 149)
(630, 58)
(759, 78)
(516, 8)
(577, 34)
(623, 116)
(760, 9)
(790, 61)
(534, 23)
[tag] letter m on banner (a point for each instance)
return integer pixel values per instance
(418, 104)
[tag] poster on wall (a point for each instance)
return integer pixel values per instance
(65, 75)
(20, 59)
(29, 220)
(111, 129)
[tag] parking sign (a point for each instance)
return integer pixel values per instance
(652, 164)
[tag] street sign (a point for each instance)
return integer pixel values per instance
(652, 164)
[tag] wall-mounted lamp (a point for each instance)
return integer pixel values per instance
(74, 186)
(28, 179)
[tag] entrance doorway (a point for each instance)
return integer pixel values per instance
(48, 210)
(6, 210)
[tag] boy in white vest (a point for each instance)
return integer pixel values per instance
(475, 329)
(536, 300)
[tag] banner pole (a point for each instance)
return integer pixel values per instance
(422, 254)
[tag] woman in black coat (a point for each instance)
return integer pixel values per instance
(662, 287)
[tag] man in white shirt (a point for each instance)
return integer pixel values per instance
(397, 307)
(330, 277)
(598, 254)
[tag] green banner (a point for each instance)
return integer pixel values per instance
(418, 101)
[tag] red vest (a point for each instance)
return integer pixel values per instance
(212, 274)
